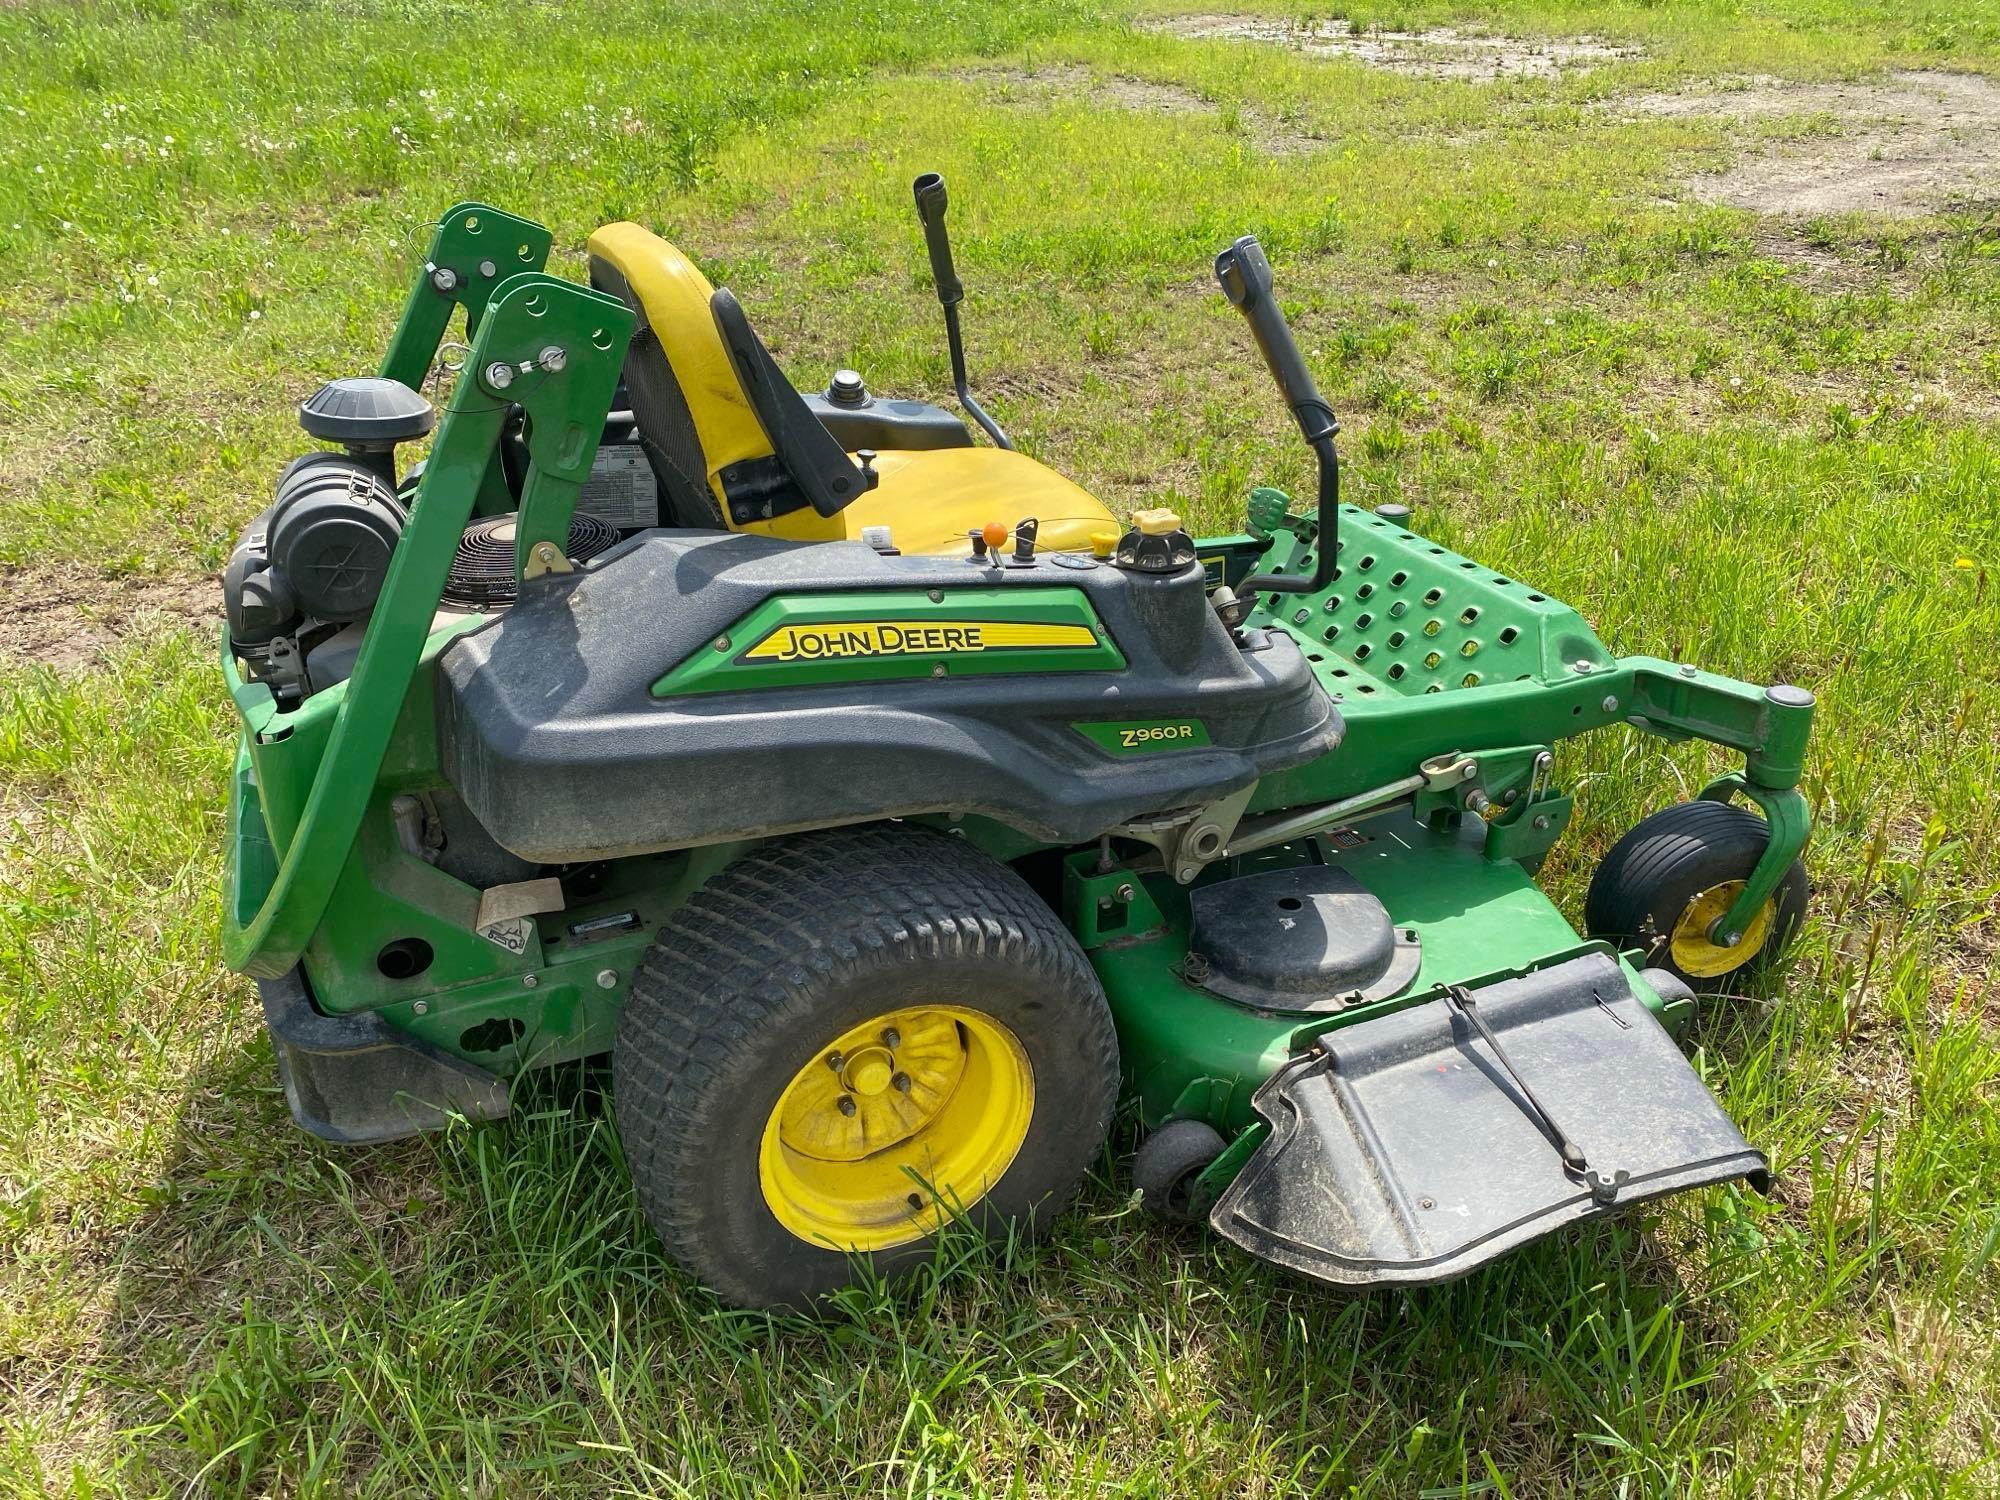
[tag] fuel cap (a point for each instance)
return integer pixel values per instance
(1155, 544)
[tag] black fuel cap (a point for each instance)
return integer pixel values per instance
(366, 411)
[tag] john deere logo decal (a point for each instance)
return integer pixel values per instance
(912, 638)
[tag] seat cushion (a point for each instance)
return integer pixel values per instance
(697, 421)
(931, 499)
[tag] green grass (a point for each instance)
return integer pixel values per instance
(1651, 408)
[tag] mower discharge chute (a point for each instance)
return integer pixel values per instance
(890, 813)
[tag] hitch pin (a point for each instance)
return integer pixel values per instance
(1538, 784)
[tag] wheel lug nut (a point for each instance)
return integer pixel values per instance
(892, 1038)
(901, 1083)
(835, 1061)
(847, 1104)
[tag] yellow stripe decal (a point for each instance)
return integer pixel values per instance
(859, 638)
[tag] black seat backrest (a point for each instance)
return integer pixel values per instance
(812, 456)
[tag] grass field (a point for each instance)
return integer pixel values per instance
(1765, 441)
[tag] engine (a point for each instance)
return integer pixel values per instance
(312, 565)
(304, 576)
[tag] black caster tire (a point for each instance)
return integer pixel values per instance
(1169, 1161)
(1663, 886)
(843, 1041)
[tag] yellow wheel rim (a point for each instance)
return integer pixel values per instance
(895, 1124)
(1696, 954)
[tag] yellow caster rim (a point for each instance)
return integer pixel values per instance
(895, 1124)
(1697, 955)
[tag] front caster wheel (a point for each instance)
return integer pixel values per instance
(1169, 1161)
(1665, 886)
(846, 1039)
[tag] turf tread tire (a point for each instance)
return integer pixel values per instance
(1646, 880)
(745, 968)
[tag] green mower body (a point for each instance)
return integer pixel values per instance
(1277, 797)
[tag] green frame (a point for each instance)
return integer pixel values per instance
(562, 346)
(1557, 681)
(474, 249)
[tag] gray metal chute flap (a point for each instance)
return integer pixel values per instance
(1402, 1150)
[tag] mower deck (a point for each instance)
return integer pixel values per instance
(1192, 1051)
(1384, 1140)
(1408, 1150)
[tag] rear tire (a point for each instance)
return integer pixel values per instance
(784, 988)
(1664, 884)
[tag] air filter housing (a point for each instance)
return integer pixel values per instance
(482, 574)
(366, 411)
(368, 416)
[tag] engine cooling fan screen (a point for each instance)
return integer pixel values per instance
(482, 574)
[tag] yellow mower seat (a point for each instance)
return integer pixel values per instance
(695, 420)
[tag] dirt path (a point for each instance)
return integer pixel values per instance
(1907, 144)
(1438, 52)
(68, 623)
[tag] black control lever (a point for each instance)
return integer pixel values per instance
(1245, 276)
(931, 200)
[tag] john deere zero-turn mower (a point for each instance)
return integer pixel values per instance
(890, 812)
